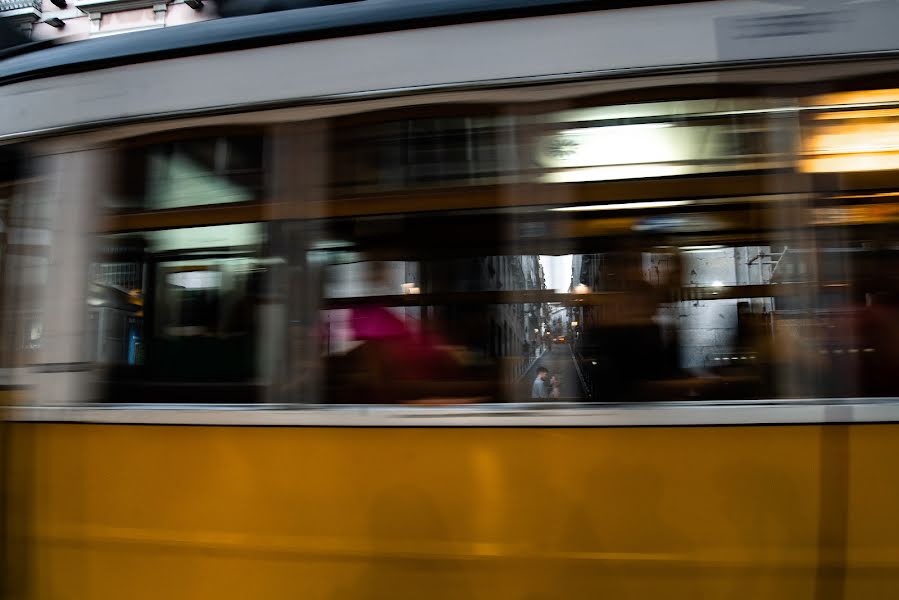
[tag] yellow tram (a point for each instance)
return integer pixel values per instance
(279, 292)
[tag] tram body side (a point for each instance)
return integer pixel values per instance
(131, 509)
(211, 511)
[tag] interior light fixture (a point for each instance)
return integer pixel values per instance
(702, 248)
(623, 206)
(330, 244)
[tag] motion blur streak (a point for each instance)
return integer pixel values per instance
(389, 299)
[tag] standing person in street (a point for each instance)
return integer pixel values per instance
(539, 389)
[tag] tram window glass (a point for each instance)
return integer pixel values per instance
(683, 262)
(428, 330)
(407, 315)
(672, 322)
(194, 172)
(653, 305)
(171, 309)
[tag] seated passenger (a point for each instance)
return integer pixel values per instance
(879, 337)
(627, 345)
(398, 361)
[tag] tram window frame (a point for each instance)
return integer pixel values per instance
(500, 340)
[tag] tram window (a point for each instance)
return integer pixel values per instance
(171, 309)
(193, 172)
(407, 316)
(692, 275)
(427, 329)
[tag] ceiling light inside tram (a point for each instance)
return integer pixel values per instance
(613, 173)
(851, 140)
(850, 163)
(623, 206)
(702, 248)
(329, 244)
(196, 280)
(236, 236)
(610, 152)
(857, 98)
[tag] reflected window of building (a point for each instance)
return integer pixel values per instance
(198, 171)
(419, 152)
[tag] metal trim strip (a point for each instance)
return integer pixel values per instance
(672, 414)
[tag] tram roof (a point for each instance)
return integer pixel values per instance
(49, 58)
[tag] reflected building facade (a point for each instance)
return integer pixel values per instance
(49, 19)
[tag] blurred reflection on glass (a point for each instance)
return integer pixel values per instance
(197, 171)
(202, 323)
(26, 193)
(659, 139)
(662, 250)
(417, 152)
(387, 352)
(623, 350)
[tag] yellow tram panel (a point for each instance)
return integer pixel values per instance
(283, 512)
